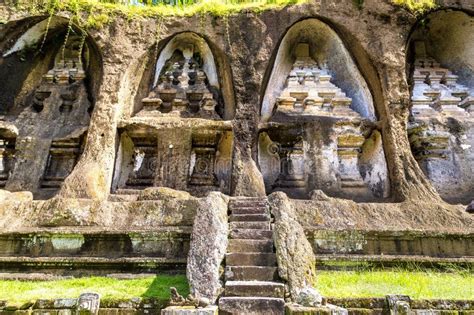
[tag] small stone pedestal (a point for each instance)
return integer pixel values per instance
(190, 310)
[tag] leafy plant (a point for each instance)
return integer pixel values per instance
(416, 6)
(359, 4)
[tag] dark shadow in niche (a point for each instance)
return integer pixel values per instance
(50, 101)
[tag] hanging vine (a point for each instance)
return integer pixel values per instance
(202, 22)
(46, 32)
(81, 47)
(66, 38)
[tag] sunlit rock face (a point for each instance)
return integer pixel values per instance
(441, 122)
(42, 134)
(178, 137)
(318, 112)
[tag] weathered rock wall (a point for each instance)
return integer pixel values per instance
(245, 47)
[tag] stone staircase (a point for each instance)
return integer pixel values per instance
(251, 277)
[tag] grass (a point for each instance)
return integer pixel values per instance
(417, 284)
(20, 292)
(337, 284)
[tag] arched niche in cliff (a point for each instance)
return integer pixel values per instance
(318, 112)
(190, 78)
(49, 100)
(440, 68)
(328, 50)
(187, 81)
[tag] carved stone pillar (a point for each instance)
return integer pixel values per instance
(172, 165)
(63, 156)
(292, 159)
(144, 163)
(348, 149)
(203, 158)
(7, 158)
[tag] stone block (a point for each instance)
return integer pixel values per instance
(255, 288)
(45, 312)
(251, 273)
(251, 259)
(251, 305)
(249, 217)
(190, 310)
(241, 246)
(251, 234)
(262, 225)
(329, 309)
(65, 303)
(88, 304)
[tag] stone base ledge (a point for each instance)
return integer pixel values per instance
(328, 309)
(190, 310)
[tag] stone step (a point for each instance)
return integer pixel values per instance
(251, 305)
(251, 273)
(250, 246)
(127, 191)
(255, 288)
(251, 234)
(262, 225)
(122, 198)
(250, 259)
(240, 198)
(249, 217)
(247, 203)
(248, 210)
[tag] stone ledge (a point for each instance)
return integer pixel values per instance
(190, 310)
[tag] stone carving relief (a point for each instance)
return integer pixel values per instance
(188, 161)
(441, 127)
(203, 159)
(178, 139)
(8, 136)
(183, 88)
(308, 89)
(314, 139)
(88, 304)
(51, 130)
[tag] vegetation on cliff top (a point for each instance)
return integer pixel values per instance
(153, 8)
(416, 6)
(159, 9)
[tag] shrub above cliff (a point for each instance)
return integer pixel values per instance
(416, 6)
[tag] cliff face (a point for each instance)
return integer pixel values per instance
(240, 54)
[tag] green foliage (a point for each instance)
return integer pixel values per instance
(101, 11)
(416, 6)
(359, 4)
(97, 20)
(19, 292)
